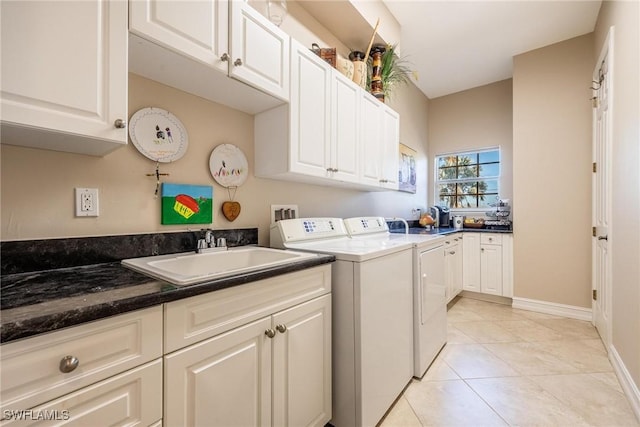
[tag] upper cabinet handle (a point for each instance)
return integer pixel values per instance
(237, 62)
(120, 124)
(224, 57)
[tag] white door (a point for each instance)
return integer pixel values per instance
(602, 118)
(302, 365)
(370, 114)
(223, 381)
(471, 262)
(390, 148)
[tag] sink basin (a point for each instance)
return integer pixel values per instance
(189, 268)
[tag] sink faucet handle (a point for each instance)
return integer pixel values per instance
(209, 238)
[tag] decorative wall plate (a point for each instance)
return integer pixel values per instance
(228, 165)
(158, 134)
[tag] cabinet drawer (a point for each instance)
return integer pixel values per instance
(130, 398)
(490, 239)
(193, 319)
(31, 368)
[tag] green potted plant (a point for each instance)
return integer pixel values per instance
(394, 70)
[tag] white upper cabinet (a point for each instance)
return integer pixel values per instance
(345, 128)
(198, 29)
(64, 75)
(309, 113)
(259, 51)
(379, 143)
(196, 45)
(332, 132)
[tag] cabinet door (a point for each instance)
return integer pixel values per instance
(309, 112)
(491, 269)
(259, 51)
(130, 398)
(345, 125)
(433, 282)
(390, 148)
(370, 113)
(223, 381)
(197, 29)
(302, 365)
(64, 69)
(471, 262)
(453, 265)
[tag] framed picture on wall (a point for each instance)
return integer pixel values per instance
(407, 171)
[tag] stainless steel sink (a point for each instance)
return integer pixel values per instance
(189, 268)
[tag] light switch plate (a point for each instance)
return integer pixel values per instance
(87, 202)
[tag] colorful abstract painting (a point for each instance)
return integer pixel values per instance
(187, 204)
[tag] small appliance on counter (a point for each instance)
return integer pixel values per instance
(458, 222)
(441, 215)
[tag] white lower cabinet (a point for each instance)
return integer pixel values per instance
(453, 265)
(258, 354)
(274, 371)
(106, 372)
(487, 265)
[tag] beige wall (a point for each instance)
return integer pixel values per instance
(38, 185)
(551, 173)
(476, 118)
(624, 234)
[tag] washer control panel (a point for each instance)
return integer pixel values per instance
(366, 225)
(301, 229)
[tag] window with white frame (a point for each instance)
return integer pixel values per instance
(469, 179)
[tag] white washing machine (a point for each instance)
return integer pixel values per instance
(372, 313)
(429, 286)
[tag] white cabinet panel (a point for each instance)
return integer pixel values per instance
(302, 364)
(471, 262)
(259, 51)
(223, 381)
(491, 269)
(64, 75)
(131, 398)
(345, 128)
(370, 141)
(198, 29)
(390, 148)
(309, 113)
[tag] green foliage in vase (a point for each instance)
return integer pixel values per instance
(395, 70)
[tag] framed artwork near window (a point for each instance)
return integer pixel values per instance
(407, 172)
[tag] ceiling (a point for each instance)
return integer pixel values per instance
(457, 45)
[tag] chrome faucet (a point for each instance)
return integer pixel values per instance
(404, 221)
(208, 244)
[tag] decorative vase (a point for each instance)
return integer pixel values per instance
(377, 88)
(359, 68)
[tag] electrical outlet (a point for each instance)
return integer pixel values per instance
(87, 202)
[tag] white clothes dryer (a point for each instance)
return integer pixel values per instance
(372, 315)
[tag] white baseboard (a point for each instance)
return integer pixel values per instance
(546, 307)
(628, 385)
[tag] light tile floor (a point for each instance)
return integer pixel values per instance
(503, 366)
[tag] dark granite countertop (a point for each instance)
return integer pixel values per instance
(37, 302)
(51, 284)
(447, 230)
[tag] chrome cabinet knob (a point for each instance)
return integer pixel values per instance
(281, 328)
(68, 364)
(120, 124)
(224, 57)
(270, 333)
(603, 238)
(237, 62)
(452, 253)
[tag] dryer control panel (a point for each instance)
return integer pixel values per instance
(366, 225)
(306, 229)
